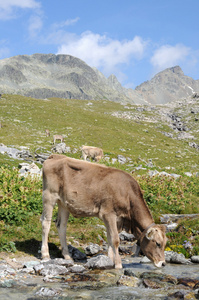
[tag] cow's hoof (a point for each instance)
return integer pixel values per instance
(67, 257)
(46, 258)
(118, 266)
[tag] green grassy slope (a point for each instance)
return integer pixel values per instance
(25, 120)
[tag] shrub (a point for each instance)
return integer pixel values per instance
(20, 197)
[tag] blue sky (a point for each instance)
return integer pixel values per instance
(132, 39)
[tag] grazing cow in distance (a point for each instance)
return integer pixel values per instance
(57, 137)
(92, 152)
(89, 189)
(47, 131)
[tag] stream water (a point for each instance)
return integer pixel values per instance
(26, 286)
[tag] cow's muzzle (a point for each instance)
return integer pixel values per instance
(160, 264)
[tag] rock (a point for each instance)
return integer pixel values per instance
(128, 281)
(76, 254)
(189, 174)
(77, 269)
(171, 226)
(114, 160)
(176, 258)
(60, 261)
(145, 260)
(195, 259)
(29, 169)
(171, 218)
(6, 269)
(192, 283)
(99, 262)
(38, 268)
(177, 295)
(129, 272)
(159, 277)
(124, 236)
(121, 159)
(129, 250)
(60, 148)
(92, 249)
(152, 284)
(48, 292)
(53, 270)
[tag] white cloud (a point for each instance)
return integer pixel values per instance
(102, 52)
(9, 8)
(168, 56)
(68, 22)
(35, 25)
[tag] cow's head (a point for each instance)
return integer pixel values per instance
(152, 244)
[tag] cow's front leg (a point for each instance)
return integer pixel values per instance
(48, 204)
(61, 223)
(110, 222)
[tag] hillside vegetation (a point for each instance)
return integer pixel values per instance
(141, 136)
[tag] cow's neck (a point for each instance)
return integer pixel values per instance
(142, 219)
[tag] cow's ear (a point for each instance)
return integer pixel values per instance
(163, 228)
(150, 233)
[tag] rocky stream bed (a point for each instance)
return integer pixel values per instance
(92, 276)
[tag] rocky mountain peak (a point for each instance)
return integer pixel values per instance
(65, 76)
(177, 70)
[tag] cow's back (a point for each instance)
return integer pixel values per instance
(89, 188)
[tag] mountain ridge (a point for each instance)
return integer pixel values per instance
(65, 76)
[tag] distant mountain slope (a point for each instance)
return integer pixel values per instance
(65, 76)
(49, 75)
(168, 85)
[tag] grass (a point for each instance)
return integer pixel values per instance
(83, 122)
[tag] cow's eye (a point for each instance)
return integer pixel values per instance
(158, 245)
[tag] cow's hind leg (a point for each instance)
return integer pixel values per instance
(62, 219)
(49, 202)
(110, 222)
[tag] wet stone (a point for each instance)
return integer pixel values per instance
(177, 295)
(48, 292)
(159, 277)
(79, 277)
(128, 281)
(99, 262)
(192, 283)
(152, 284)
(129, 272)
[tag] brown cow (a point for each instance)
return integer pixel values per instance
(58, 137)
(88, 189)
(47, 131)
(92, 152)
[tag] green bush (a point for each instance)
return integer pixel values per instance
(166, 195)
(20, 197)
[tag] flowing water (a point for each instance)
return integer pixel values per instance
(31, 287)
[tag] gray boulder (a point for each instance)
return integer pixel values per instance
(92, 249)
(99, 262)
(195, 259)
